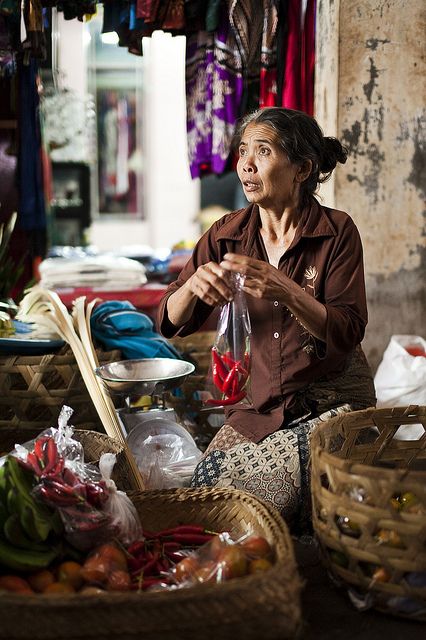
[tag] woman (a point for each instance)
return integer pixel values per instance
(304, 281)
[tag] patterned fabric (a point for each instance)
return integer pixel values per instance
(276, 470)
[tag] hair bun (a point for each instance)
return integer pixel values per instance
(333, 152)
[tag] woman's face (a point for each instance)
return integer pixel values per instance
(268, 178)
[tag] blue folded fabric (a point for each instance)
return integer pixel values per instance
(119, 325)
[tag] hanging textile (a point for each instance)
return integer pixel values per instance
(240, 55)
(214, 88)
(298, 73)
(32, 213)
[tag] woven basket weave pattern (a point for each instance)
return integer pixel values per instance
(33, 390)
(264, 605)
(356, 474)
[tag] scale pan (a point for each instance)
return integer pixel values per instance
(143, 377)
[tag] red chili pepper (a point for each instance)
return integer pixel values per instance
(228, 383)
(50, 457)
(218, 361)
(181, 528)
(227, 401)
(216, 378)
(34, 463)
(191, 538)
(137, 548)
(228, 359)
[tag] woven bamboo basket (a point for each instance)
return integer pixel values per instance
(94, 445)
(33, 390)
(187, 400)
(264, 605)
(369, 507)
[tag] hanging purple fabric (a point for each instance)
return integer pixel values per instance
(32, 213)
(214, 87)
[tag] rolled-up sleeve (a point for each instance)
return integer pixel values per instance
(345, 297)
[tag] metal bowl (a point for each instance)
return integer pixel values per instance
(143, 377)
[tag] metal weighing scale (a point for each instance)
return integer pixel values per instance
(128, 380)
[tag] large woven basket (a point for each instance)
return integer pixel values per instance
(33, 390)
(187, 400)
(264, 605)
(94, 445)
(369, 507)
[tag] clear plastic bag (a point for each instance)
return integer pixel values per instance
(76, 490)
(222, 559)
(231, 357)
(167, 460)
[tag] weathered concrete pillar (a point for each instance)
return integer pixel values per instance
(370, 93)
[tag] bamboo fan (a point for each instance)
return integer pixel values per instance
(45, 308)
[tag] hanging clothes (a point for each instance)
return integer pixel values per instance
(32, 213)
(268, 58)
(299, 47)
(214, 88)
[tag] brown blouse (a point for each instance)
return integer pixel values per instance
(326, 259)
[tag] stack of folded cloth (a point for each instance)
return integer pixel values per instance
(103, 272)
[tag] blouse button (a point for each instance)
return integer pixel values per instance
(276, 334)
(276, 303)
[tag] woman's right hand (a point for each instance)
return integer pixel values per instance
(210, 283)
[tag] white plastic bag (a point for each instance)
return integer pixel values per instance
(400, 379)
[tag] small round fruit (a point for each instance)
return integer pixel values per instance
(40, 580)
(232, 562)
(256, 547)
(185, 569)
(70, 572)
(95, 570)
(58, 588)
(112, 554)
(15, 584)
(119, 580)
(259, 565)
(206, 573)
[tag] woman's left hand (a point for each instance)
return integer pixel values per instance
(262, 280)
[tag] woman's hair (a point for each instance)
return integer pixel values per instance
(302, 139)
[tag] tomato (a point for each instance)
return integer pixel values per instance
(256, 547)
(15, 584)
(232, 562)
(258, 565)
(70, 572)
(113, 555)
(215, 547)
(207, 572)
(186, 568)
(40, 580)
(58, 588)
(119, 580)
(95, 570)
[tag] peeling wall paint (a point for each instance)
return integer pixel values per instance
(381, 118)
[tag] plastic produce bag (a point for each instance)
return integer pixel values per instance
(122, 512)
(231, 357)
(400, 379)
(72, 488)
(221, 559)
(165, 452)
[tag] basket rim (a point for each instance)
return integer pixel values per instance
(359, 468)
